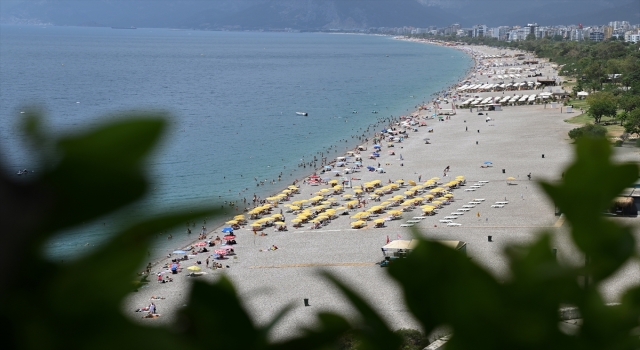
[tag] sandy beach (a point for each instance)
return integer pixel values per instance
(517, 141)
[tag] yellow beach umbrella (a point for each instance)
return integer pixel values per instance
(379, 221)
(232, 222)
(296, 220)
(510, 178)
(400, 181)
(280, 223)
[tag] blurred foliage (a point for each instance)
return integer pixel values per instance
(77, 304)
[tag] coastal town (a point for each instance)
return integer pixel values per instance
(618, 30)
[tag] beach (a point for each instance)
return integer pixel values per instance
(486, 149)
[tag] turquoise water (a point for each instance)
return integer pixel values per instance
(233, 97)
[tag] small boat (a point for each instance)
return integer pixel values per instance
(302, 113)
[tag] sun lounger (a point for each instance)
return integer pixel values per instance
(475, 202)
(450, 217)
(479, 199)
(446, 221)
(464, 209)
(406, 225)
(457, 213)
(502, 203)
(469, 189)
(483, 182)
(419, 217)
(468, 206)
(454, 224)
(497, 206)
(413, 221)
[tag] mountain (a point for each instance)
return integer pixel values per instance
(544, 12)
(315, 14)
(339, 14)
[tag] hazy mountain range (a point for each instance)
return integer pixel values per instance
(315, 14)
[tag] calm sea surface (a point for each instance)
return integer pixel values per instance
(233, 99)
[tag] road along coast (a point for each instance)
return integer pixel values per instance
(517, 141)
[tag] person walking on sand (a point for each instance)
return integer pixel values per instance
(529, 176)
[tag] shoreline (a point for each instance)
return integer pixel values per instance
(219, 222)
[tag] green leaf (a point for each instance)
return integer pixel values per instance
(589, 187)
(107, 273)
(326, 335)
(215, 313)
(373, 329)
(99, 171)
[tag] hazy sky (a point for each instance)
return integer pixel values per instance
(317, 14)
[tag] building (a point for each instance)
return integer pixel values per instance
(479, 30)
(620, 25)
(596, 36)
(632, 36)
(532, 28)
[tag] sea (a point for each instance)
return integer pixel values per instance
(232, 98)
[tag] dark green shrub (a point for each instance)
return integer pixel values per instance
(589, 130)
(618, 143)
